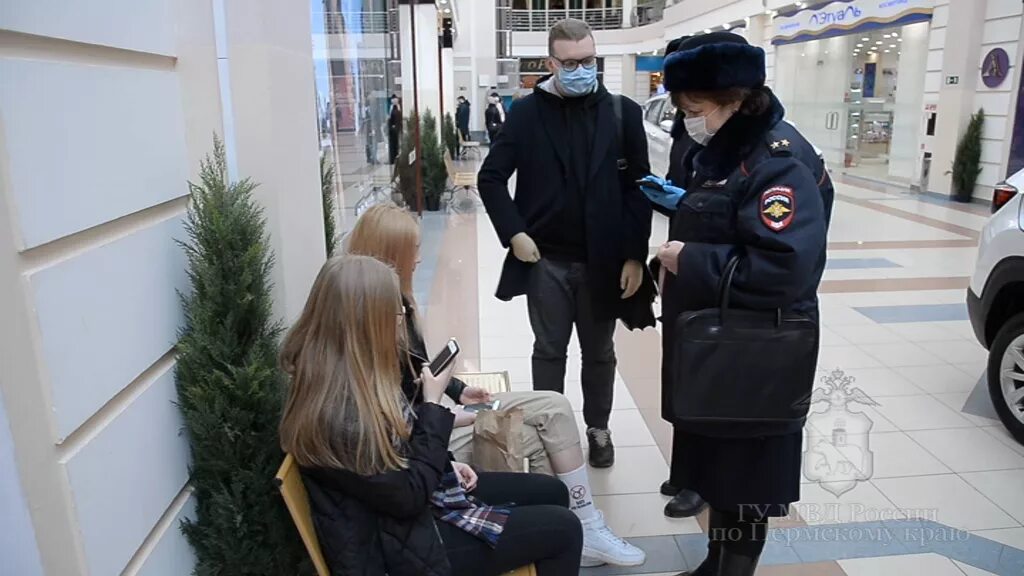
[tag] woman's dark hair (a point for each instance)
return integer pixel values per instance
(754, 101)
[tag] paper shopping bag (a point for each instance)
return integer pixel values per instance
(498, 441)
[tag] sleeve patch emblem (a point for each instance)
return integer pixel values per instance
(777, 208)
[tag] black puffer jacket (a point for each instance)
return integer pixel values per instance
(382, 525)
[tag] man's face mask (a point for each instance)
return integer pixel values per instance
(577, 82)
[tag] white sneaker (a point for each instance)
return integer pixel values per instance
(602, 546)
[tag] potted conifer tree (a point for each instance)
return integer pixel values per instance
(967, 161)
(230, 390)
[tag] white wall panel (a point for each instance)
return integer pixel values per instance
(172, 556)
(934, 62)
(994, 103)
(140, 25)
(88, 144)
(1001, 8)
(995, 127)
(992, 151)
(932, 82)
(124, 479)
(106, 315)
(1002, 30)
(937, 39)
(940, 16)
(18, 551)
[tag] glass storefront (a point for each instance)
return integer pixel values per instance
(858, 97)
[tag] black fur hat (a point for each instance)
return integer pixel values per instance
(715, 61)
(673, 45)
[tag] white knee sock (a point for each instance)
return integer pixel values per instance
(581, 501)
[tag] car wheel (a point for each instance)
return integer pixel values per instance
(1006, 375)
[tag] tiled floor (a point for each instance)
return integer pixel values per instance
(945, 493)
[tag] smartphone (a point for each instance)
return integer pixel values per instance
(445, 357)
(492, 405)
(651, 184)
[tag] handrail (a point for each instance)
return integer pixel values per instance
(356, 23)
(542, 20)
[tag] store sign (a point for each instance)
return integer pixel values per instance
(995, 67)
(839, 18)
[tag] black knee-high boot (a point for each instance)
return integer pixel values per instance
(743, 539)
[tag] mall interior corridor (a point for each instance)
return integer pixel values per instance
(940, 493)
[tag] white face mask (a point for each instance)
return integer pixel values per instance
(697, 128)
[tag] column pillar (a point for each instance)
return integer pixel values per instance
(629, 77)
(426, 27)
(956, 101)
(755, 33)
(273, 114)
(628, 8)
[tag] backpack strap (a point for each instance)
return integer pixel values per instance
(623, 164)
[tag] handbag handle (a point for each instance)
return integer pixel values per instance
(724, 286)
(725, 282)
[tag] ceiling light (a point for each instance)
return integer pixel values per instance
(860, 45)
(894, 34)
(886, 51)
(799, 4)
(879, 43)
(447, 10)
(899, 39)
(885, 35)
(892, 45)
(707, 30)
(726, 26)
(865, 39)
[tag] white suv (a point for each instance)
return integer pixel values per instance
(658, 116)
(995, 303)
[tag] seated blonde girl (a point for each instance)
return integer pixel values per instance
(384, 495)
(550, 434)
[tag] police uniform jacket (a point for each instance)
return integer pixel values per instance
(758, 190)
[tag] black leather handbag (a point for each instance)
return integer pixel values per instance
(751, 368)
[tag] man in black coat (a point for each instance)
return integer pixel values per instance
(579, 225)
(394, 128)
(462, 118)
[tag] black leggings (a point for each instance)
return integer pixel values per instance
(541, 530)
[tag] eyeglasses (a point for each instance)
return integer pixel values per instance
(570, 65)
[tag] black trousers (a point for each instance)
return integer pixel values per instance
(558, 298)
(541, 530)
(393, 151)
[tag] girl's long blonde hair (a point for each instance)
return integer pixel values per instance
(390, 234)
(345, 408)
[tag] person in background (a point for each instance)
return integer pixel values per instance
(550, 437)
(579, 225)
(494, 117)
(394, 128)
(753, 188)
(384, 495)
(462, 118)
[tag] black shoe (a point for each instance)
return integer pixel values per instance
(602, 451)
(685, 504)
(667, 489)
(732, 564)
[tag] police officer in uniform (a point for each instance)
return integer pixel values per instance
(751, 186)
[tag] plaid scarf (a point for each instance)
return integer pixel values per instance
(451, 504)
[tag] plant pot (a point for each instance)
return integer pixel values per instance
(962, 196)
(432, 203)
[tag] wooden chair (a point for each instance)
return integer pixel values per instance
(289, 482)
(493, 382)
(467, 146)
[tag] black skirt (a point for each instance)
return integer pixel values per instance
(740, 473)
